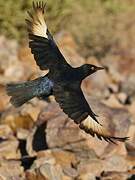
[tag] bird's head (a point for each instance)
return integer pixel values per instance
(89, 69)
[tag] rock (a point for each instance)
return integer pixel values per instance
(11, 67)
(45, 158)
(118, 149)
(15, 120)
(45, 168)
(118, 67)
(29, 143)
(59, 131)
(70, 172)
(4, 99)
(33, 109)
(115, 175)
(131, 109)
(55, 120)
(5, 132)
(87, 176)
(121, 119)
(48, 113)
(11, 170)
(130, 144)
(116, 163)
(9, 149)
(94, 166)
(119, 72)
(22, 134)
(131, 163)
(128, 86)
(130, 149)
(59, 127)
(63, 158)
(113, 88)
(53, 164)
(117, 120)
(122, 97)
(23, 117)
(8, 143)
(112, 102)
(112, 66)
(31, 175)
(123, 64)
(51, 172)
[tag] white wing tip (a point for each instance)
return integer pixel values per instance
(91, 127)
(36, 22)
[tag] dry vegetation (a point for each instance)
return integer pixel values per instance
(98, 26)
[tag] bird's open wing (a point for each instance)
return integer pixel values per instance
(43, 47)
(76, 107)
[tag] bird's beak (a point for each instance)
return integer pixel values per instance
(99, 68)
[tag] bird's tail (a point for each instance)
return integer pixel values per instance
(23, 92)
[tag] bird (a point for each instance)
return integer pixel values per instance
(62, 81)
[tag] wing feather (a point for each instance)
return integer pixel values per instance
(92, 127)
(76, 107)
(42, 44)
(72, 103)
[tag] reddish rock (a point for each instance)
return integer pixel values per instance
(59, 127)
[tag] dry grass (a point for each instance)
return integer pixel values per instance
(98, 26)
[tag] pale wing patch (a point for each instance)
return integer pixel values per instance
(90, 126)
(36, 22)
(39, 27)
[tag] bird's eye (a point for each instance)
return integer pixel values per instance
(92, 68)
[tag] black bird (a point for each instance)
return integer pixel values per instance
(62, 81)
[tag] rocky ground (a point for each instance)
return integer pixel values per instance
(38, 141)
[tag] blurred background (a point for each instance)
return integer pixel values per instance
(37, 140)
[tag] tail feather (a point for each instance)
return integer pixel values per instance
(22, 92)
